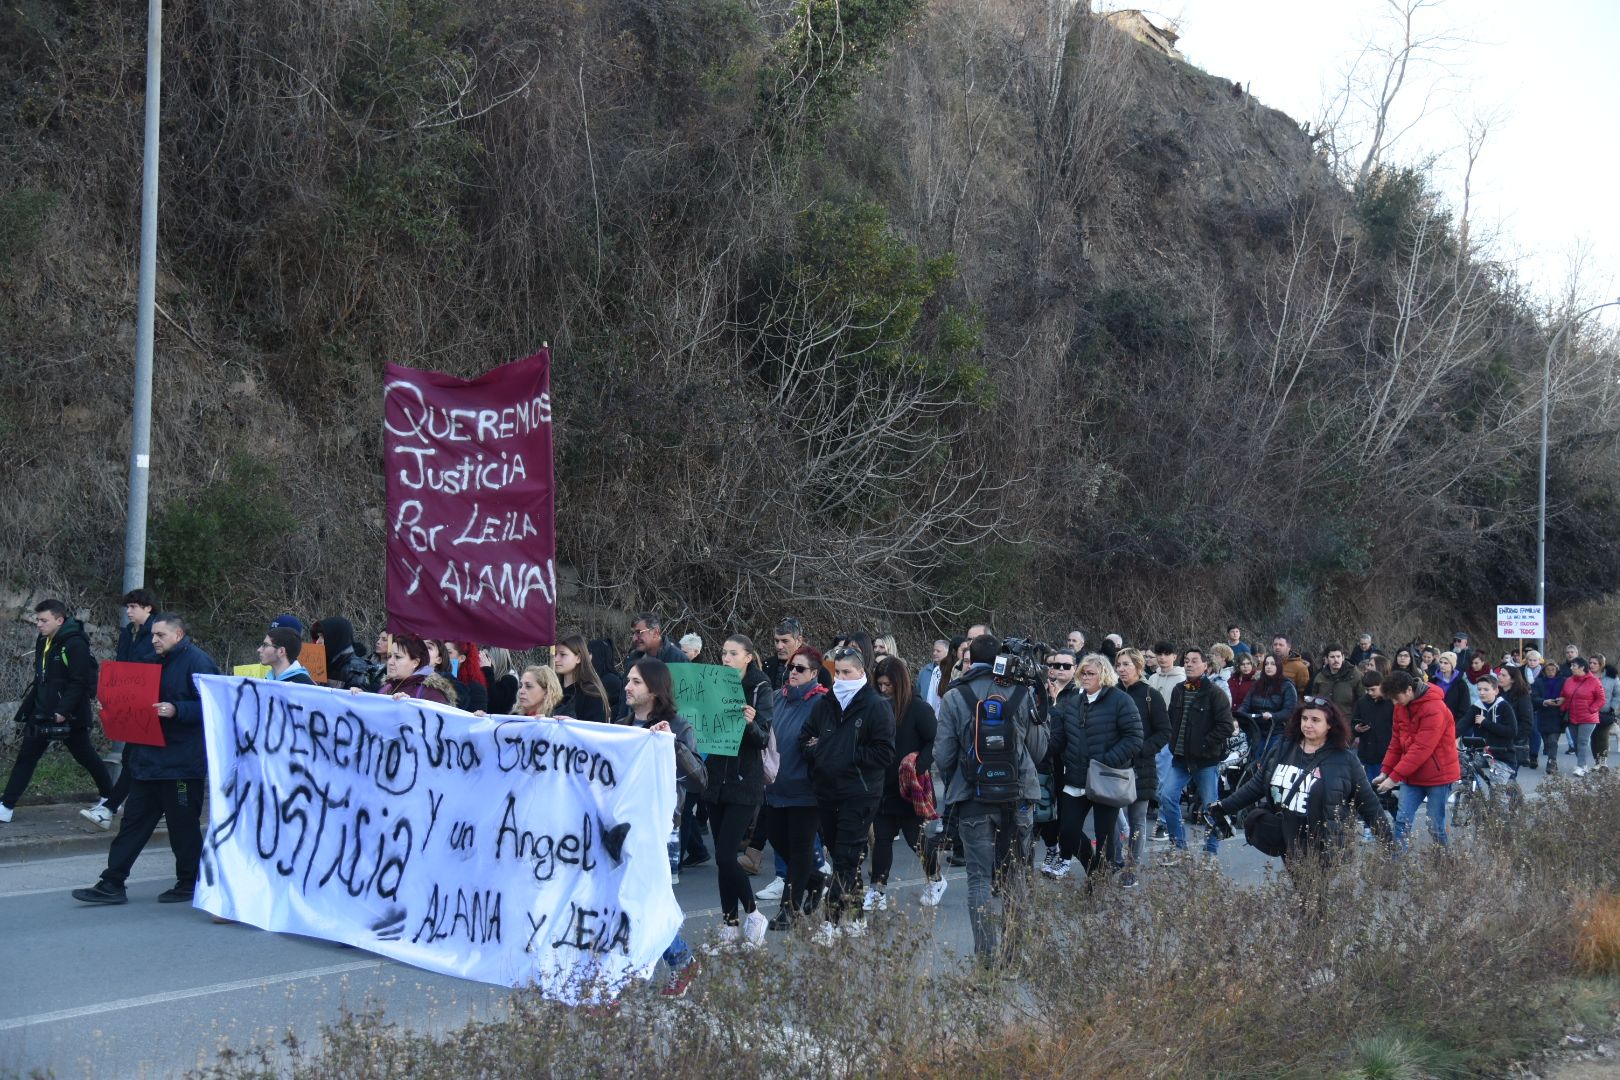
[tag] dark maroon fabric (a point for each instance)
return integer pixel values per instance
(472, 540)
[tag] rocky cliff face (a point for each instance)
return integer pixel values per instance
(883, 311)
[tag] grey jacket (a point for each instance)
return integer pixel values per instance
(953, 742)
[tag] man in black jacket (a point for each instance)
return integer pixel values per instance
(135, 647)
(58, 704)
(166, 781)
(1200, 723)
(346, 666)
(848, 742)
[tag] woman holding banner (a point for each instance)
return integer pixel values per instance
(539, 692)
(736, 790)
(411, 675)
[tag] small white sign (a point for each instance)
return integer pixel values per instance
(1520, 621)
(143, 461)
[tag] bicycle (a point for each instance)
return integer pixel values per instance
(1487, 786)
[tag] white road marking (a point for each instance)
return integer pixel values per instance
(182, 995)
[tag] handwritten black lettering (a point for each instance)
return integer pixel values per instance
(475, 917)
(595, 931)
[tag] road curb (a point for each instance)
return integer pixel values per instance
(55, 846)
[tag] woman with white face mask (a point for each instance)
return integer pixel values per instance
(848, 742)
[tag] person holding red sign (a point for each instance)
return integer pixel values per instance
(57, 705)
(168, 781)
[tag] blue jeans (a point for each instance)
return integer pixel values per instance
(679, 954)
(1174, 782)
(1410, 796)
(1583, 744)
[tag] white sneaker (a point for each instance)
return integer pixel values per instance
(5, 813)
(854, 928)
(99, 814)
(1059, 869)
(933, 891)
(875, 901)
(1579, 771)
(754, 925)
(827, 935)
(773, 891)
(729, 938)
(825, 868)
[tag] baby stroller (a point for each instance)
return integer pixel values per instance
(1230, 772)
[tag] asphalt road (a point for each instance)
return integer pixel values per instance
(151, 989)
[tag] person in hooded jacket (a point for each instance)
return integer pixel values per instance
(1130, 664)
(168, 781)
(896, 816)
(346, 666)
(849, 743)
(135, 647)
(1516, 689)
(58, 704)
(792, 816)
(1372, 722)
(410, 674)
(1582, 701)
(736, 790)
(1494, 720)
(605, 662)
(1422, 755)
(1104, 724)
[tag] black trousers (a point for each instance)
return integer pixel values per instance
(885, 827)
(844, 828)
(730, 823)
(1072, 839)
(33, 748)
(181, 801)
(793, 835)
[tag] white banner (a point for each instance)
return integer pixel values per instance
(507, 850)
(1520, 621)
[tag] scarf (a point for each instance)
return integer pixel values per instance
(846, 689)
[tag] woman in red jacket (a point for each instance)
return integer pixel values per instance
(1583, 700)
(1422, 755)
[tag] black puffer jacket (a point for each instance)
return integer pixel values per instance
(913, 735)
(1108, 729)
(854, 746)
(346, 669)
(740, 780)
(1155, 735)
(65, 676)
(1498, 726)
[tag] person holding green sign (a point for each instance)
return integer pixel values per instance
(736, 789)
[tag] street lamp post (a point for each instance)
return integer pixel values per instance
(140, 435)
(1541, 519)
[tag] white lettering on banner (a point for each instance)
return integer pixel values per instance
(429, 423)
(506, 850)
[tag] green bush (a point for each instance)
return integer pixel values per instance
(204, 543)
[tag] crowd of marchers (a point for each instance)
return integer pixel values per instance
(847, 747)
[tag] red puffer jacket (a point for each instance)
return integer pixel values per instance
(1423, 747)
(1583, 698)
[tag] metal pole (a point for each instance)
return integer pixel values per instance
(140, 437)
(1541, 518)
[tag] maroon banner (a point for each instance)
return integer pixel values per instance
(472, 540)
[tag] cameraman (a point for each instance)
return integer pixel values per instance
(994, 819)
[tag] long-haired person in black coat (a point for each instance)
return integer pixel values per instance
(915, 725)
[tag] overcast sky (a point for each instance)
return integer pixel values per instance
(1547, 178)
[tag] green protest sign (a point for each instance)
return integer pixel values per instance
(710, 696)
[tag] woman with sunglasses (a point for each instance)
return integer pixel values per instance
(1105, 726)
(1316, 783)
(915, 725)
(791, 816)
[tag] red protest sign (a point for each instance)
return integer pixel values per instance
(127, 692)
(471, 534)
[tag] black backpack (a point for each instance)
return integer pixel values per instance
(991, 766)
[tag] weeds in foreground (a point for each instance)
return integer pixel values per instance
(1438, 964)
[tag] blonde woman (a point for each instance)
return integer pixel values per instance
(539, 691)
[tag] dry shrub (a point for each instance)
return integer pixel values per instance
(1597, 934)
